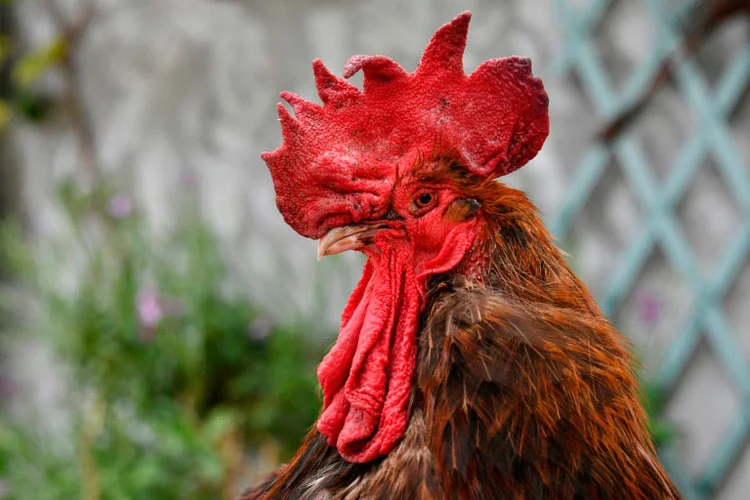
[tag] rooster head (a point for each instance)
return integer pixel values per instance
(380, 171)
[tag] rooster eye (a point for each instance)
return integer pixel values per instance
(424, 200)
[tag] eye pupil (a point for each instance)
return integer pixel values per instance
(425, 198)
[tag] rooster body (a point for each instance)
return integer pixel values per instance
(471, 362)
(522, 389)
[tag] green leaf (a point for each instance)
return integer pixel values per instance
(31, 104)
(218, 423)
(34, 64)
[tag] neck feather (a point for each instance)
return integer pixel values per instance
(514, 253)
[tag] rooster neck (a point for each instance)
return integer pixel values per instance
(502, 330)
(514, 253)
(531, 397)
(498, 375)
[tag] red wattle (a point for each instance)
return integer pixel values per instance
(367, 375)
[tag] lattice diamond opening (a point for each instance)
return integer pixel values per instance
(662, 127)
(622, 40)
(715, 390)
(710, 218)
(652, 314)
(599, 237)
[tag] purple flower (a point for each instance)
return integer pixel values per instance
(152, 308)
(120, 207)
(649, 309)
(150, 311)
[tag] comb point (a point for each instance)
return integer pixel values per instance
(329, 85)
(445, 51)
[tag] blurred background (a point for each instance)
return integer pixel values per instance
(161, 324)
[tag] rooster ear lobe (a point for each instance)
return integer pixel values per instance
(445, 52)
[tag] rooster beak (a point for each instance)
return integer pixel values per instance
(353, 237)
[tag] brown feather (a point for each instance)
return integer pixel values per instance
(523, 389)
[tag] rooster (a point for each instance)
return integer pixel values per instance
(471, 362)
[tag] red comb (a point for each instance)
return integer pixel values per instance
(338, 161)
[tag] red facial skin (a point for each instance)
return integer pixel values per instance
(429, 219)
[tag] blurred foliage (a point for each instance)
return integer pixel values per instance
(179, 379)
(654, 400)
(32, 65)
(26, 98)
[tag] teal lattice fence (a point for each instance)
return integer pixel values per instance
(670, 61)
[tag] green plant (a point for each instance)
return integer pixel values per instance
(25, 99)
(176, 381)
(654, 400)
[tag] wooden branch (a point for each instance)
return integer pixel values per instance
(72, 102)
